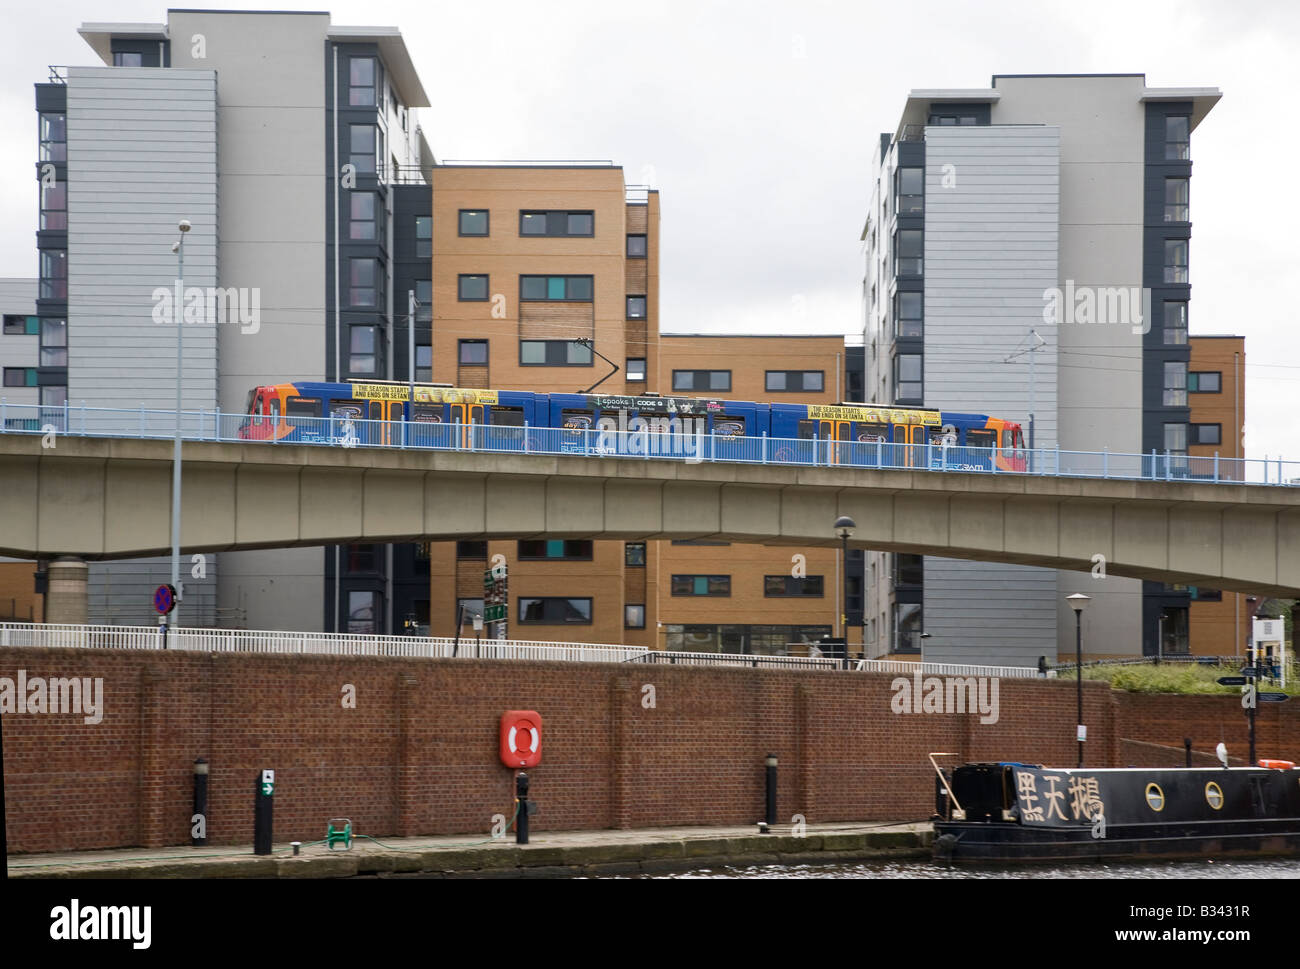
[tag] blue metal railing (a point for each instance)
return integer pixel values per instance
(78, 420)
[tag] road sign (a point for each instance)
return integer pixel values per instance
(1249, 671)
(1271, 697)
(164, 599)
(1232, 681)
(494, 613)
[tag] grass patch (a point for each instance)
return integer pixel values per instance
(1165, 678)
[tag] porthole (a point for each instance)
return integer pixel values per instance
(1214, 795)
(1155, 797)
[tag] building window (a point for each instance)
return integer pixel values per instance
(1205, 382)
(794, 381)
(908, 626)
(555, 611)
(1206, 433)
(554, 550)
(557, 223)
(636, 247)
(363, 223)
(54, 205)
(474, 353)
(473, 289)
(634, 617)
(364, 287)
(909, 252)
(553, 353)
(474, 222)
(555, 288)
(775, 586)
(361, 82)
(54, 136)
(123, 58)
(423, 236)
(54, 342)
(1176, 438)
(636, 369)
(423, 362)
(908, 309)
(701, 380)
(363, 612)
(1175, 322)
(20, 376)
(467, 609)
(908, 381)
(18, 325)
(909, 569)
(363, 142)
(1175, 260)
(636, 307)
(424, 301)
(910, 187)
(471, 550)
(1176, 209)
(952, 120)
(361, 558)
(1178, 129)
(701, 585)
(1175, 383)
(363, 355)
(634, 554)
(54, 274)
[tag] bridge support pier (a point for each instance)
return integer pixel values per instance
(65, 596)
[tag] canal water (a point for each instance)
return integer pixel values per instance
(1280, 868)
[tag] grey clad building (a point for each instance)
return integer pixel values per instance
(291, 145)
(993, 212)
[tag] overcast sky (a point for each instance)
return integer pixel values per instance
(756, 121)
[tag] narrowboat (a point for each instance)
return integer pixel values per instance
(1013, 813)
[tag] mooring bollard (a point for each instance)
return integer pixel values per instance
(770, 760)
(200, 803)
(262, 819)
(521, 816)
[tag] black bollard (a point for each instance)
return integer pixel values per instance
(200, 801)
(521, 818)
(1187, 746)
(262, 820)
(771, 788)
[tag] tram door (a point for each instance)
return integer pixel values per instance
(908, 441)
(836, 434)
(466, 415)
(389, 412)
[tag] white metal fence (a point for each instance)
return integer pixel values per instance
(273, 642)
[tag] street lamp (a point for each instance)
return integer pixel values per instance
(1078, 602)
(843, 527)
(178, 303)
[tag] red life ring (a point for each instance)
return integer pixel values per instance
(521, 738)
(1277, 764)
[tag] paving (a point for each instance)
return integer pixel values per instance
(548, 854)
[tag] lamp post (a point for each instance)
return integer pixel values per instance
(1078, 602)
(178, 303)
(843, 527)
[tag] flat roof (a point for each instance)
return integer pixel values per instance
(1202, 98)
(100, 35)
(396, 57)
(763, 336)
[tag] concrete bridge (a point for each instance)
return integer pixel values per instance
(107, 498)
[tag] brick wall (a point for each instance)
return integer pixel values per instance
(418, 753)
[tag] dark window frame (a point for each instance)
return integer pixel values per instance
(464, 551)
(633, 605)
(423, 243)
(645, 239)
(487, 224)
(1197, 377)
(550, 344)
(547, 213)
(591, 612)
(1185, 206)
(628, 556)
(788, 580)
(801, 389)
(645, 306)
(460, 288)
(899, 382)
(460, 353)
(1194, 434)
(695, 389)
(522, 556)
(708, 577)
(567, 277)
(627, 369)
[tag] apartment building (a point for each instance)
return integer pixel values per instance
(984, 202)
(291, 146)
(31, 356)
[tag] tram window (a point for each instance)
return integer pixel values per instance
(508, 416)
(980, 438)
(347, 409)
(871, 433)
(275, 409)
(427, 413)
(725, 425)
(807, 430)
(575, 420)
(255, 408)
(302, 407)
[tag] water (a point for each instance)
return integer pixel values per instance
(1268, 868)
